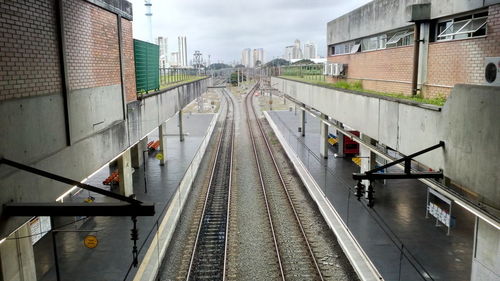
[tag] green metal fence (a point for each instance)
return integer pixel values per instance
(147, 63)
(309, 72)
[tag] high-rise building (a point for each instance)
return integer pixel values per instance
(258, 55)
(174, 59)
(162, 42)
(310, 51)
(289, 50)
(246, 58)
(294, 51)
(183, 61)
(298, 50)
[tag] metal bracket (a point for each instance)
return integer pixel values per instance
(68, 181)
(372, 174)
(407, 174)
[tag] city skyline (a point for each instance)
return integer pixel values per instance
(225, 34)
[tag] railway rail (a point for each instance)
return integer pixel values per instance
(209, 254)
(296, 259)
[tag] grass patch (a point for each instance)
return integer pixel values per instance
(188, 79)
(173, 84)
(358, 86)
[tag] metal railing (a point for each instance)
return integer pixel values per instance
(309, 71)
(175, 75)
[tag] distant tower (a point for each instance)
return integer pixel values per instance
(197, 59)
(149, 15)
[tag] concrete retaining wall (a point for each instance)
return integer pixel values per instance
(32, 132)
(467, 123)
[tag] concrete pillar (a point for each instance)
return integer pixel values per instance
(382, 161)
(423, 54)
(486, 255)
(181, 133)
(303, 122)
(323, 146)
(17, 260)
(137, 153)
(113, 166)
(368, 160)
(126, 186)
(340, 141)
(162, 131)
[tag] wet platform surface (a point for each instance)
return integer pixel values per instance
(112, 258)
(395, 234)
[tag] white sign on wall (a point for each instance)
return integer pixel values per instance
(39, 226)
(440, 214)
(436, 208)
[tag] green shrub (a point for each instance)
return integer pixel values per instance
(358, 86)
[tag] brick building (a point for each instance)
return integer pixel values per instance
(377, 43)
(92, 53)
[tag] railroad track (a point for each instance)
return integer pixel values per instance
(295, 257)
(209, 253)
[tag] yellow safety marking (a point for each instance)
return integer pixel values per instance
(332, 141)
(357, 161)
(90, 241)
(159, 156)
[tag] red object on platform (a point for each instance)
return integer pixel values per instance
(350, 146)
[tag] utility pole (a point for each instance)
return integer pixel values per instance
(149, 14)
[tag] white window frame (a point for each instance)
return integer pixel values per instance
(443, 36)
(398, 37)
(355, 48)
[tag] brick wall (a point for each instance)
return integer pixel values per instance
(128, 57)
(449, 63)
(393, 64)
(91, 45)
(29, 48)
(29, 60)
(462, 61)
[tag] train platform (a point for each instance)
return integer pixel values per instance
(112, 257)
(396, 235)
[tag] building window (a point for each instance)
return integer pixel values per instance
(400, 38)
(343, 48)
(355, 48)
(374, 43)
(369, 44)
(462, 27)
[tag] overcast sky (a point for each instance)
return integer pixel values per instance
(223, 28)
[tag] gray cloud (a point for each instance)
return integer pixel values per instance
(222, 28)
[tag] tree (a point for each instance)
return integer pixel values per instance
(239, 66)
(277, 62)
(217, 66)
(234, 78)
(258, 63)
(303, 61)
